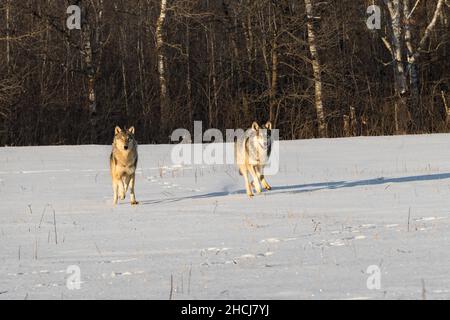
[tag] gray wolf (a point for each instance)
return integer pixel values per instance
(123, 163)
(252, 152)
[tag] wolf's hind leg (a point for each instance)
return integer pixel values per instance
(131, 183)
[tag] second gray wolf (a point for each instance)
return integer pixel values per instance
(123, 164)
(252, 152)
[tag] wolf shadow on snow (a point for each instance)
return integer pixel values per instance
(302, 188)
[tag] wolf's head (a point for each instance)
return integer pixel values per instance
(259, 141)
(124, 139)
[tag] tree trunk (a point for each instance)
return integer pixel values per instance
(401, 113)
(141, 62)
(246, 26)
(412, 67)
(92, 55)
(413, 55)
(123, 54)
(188, 75)
(322, 130)
(213, 75)
(274, 81)
(161, 67)
(396, 23)
(89, 68)
(124, 74)
(8, 48)
(446, 108)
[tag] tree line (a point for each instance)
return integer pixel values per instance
(314, 68)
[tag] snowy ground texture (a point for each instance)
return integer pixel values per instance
(337, 207)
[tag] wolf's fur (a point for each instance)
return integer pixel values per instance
(123, 163)
(252, 152)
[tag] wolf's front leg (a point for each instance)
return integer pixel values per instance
(123, 186)
(133, 196)
(115, 186)
(265, 184)
(248, 189)
(259, 171)
(255, 177)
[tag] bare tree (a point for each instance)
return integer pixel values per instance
(232, 61)
(316, 69)
(401, 43)
(414, 53)
(89, 64)
(8, 31)
(162, 64)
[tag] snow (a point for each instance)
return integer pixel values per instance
(337, 207)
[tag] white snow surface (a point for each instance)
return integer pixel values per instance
(337, 207)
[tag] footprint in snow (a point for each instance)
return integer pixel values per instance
(428, 219)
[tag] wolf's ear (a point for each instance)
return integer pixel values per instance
(131, 130)
(268, 125)
(117, 130)
(255, 126)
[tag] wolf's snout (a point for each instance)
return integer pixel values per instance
(125, 147)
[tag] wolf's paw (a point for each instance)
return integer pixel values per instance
(134, 203)
(122, 196)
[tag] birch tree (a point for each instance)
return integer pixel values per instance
(405, 52)
(161, 64)
(233, 62)
(89, 66)
(91, 51)
(317, 72)
(395, 46)
(413, 54)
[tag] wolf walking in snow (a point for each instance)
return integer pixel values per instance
(123, 163)
(252, 152)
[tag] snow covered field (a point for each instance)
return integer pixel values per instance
(337, 207)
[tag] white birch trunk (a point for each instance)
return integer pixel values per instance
(412, 68)
(413, 55)
(316, 69)
(161, 63)
(397, 45)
